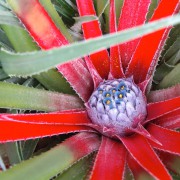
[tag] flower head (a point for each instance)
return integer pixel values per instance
(117, 106)
(115, 103)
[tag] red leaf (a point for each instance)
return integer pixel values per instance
(94, 74)
(63, 118)
(90, 30)
(142, 152)
(115, 60)
(133, 13)
(164, 94)
(171, 161)
(137, 170)
(82, 144)
(13, 131)
(169, 139)
(39, 24)
(47, 35)
(171, 120)
(159, 109)
(110, 160)
(143, 85)
(142, 131)
(79, 78)
(149, 48)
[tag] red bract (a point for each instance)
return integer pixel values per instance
(137, 58)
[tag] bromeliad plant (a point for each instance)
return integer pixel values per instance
(120, 118)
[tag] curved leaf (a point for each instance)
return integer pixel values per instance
(171, 79)
(171, 58)
(32, 63)
(50, 163)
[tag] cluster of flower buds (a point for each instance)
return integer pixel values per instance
(117, 106)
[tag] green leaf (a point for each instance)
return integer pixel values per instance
(9, 19)
(83, 19)
(153, 6)
(77, 171)
(166, 67)
(56, 18)
(27, 148)
(71, 4)
(15, 80)
(4, 5)
(174, 34)
(3, 75)
(41, 167)
(118, 6)
(2, 165)
(20, 97)
(52, 80)
(36, 62)
(54, 161)
(80, 20)
(67, 6)
(172, 50)
(101, 6)
(171, 78)
(4, 42)
(64, 12)
(171, 58)
(12, 151)
(30, 83)
(24, 43)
